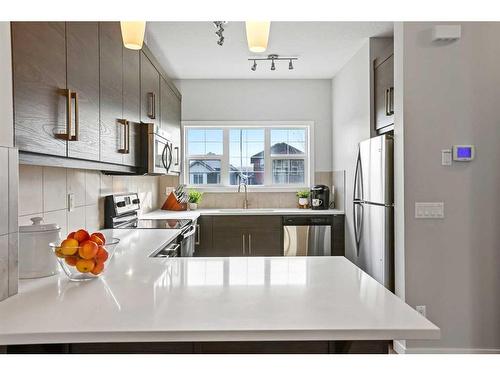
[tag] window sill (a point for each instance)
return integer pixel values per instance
(251, 189)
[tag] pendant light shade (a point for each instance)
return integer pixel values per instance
(133, 33)
(257, 35)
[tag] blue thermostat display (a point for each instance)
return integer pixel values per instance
(463, 152)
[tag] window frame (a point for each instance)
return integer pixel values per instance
(268, 158)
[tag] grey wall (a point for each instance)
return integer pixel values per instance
(277, 100)
(351, 124)
(451, 95)
(8, 173)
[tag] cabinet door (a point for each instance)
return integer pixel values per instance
(384, 93)
(39, 77)
(170, 116)
(112, 131)
(203, 244)
(82, 41)
(150, 92)
(132, 103)
(264, 236)
(228, 236)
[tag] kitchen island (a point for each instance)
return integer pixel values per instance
(144, 299)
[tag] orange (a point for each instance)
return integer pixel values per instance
(96, 239)
(71, 260)
(102, 255)
(88, 249)
(81, 235)
(69, 246)
(101, 236)
(98, 268)
(85, 265)
(71, 235)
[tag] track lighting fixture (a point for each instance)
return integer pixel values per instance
(219, 26)
(273, 58)
(254, 66)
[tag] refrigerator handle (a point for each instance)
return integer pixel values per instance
(356, 176)
(357, 224)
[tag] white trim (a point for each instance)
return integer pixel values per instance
(269, 187)
(400, 348)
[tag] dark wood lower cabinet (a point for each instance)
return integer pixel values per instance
(222, 347)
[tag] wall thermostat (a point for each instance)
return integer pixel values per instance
(463, 152)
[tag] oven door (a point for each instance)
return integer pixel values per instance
(159, 154)
(188, 241)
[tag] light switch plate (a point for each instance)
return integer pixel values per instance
(429, 210)
(446, 157)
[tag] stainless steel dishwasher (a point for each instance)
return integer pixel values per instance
(307, 235)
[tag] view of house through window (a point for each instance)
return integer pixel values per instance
(264, 155)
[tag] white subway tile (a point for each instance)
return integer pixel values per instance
(76, 185)
(30, 189)
(92, 187)
(76, 219)
(92, 218)
(13, 263)
(54, 189)
(60, 218)
(4, 266)
(4, 190)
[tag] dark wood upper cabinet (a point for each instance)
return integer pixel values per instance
(170, 120)
(132, 103)
(384, 92)
(39, 70)
(111, 74)
(150, 92)
(82, 46)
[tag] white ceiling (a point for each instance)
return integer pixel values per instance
(189, 50)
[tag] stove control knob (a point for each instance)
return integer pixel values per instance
(120, 204)
(136, 201)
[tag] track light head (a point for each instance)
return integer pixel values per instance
(254, 66)
(273, 67)
(290, 65)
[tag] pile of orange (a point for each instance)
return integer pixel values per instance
(84, 251)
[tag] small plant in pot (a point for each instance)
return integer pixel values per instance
(303, 196)
(194, 199)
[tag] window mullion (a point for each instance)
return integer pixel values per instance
(225, 158)
(267, 157)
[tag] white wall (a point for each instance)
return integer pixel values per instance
(351, 124)
(264, 100)
(8, 173)
(452, 96)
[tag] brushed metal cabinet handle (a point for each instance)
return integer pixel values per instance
(249, 244)
(69, 118)
(243, 239)
(391, 101)
(126, 136)
(151, 105)
(198, 235)
(386, 102)
(177, 155)
(74, 95)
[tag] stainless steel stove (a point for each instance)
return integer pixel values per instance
(122, 212)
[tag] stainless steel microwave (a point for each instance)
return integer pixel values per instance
(159, 154)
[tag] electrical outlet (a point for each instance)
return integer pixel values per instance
(422, 310)
(71, 202)
(429, 210)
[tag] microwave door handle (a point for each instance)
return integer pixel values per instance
(163, 157)
(169, 157)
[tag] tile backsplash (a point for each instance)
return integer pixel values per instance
(43, 191)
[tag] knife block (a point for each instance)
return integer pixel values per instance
(171, 204)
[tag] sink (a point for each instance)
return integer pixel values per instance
(243, 210)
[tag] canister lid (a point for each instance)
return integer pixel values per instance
(38, 226)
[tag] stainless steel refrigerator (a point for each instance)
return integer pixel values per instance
(373, 209)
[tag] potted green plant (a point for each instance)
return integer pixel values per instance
(303, 196)
(194, 198)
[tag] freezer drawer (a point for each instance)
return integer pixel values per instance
(374, 239)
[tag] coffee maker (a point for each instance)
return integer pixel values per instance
(320, 197)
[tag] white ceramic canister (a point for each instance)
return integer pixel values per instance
(36, 258)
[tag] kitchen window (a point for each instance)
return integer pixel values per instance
(269, 155)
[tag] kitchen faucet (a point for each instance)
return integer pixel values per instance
(243, 180)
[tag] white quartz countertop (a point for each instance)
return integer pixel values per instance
(208, 299)
(163, 214)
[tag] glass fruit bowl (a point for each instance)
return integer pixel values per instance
(83, 262)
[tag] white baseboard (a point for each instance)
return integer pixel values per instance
(400, 348)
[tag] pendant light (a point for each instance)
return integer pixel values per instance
(133, 33)
(257, 35)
